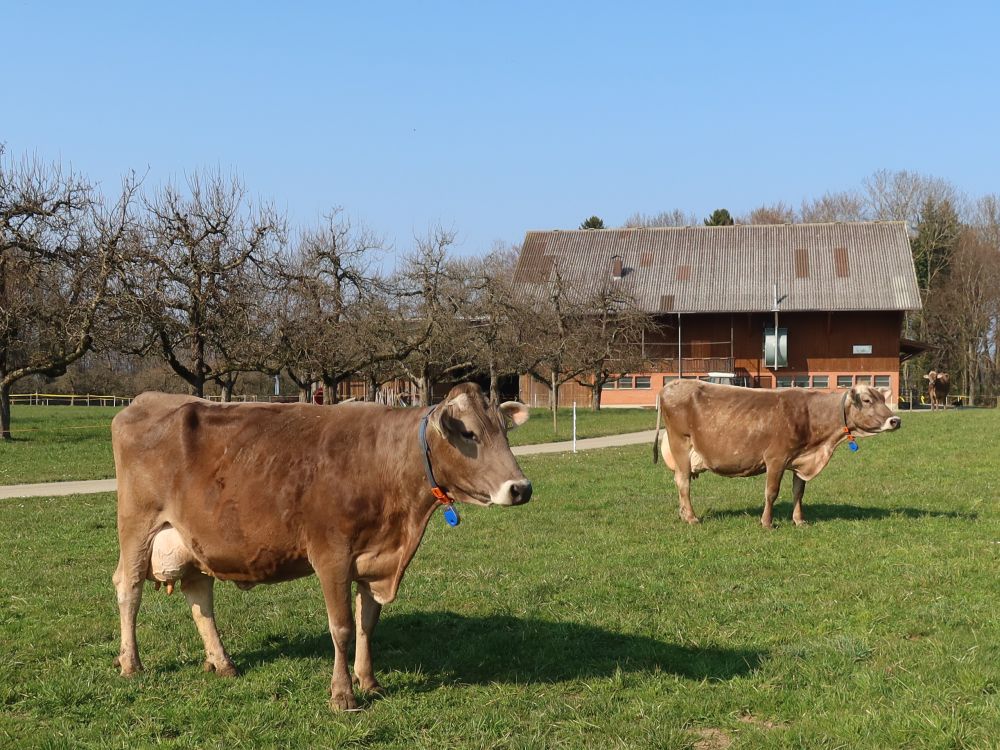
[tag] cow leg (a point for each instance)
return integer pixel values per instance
(337, 593)
(133, 562)
(366, 613)
(199, 591)
(128, 589)
(773, 485)
(798, 490)
(680, 451)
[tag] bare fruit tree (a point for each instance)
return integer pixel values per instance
(435, 316)
(189, 279)
(330, 314)
(59, 244)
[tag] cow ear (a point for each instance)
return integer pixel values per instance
(449, 416)
(886, 392)
(856, 397)
(516, 412)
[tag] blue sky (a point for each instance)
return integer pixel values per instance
(492, 119)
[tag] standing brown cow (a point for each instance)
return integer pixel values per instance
(938, 385)
(262, 493)
(743, 432)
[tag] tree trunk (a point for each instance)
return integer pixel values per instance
(227, 390)
(425, 387)
(494, 395)
(304, 394)
(595, 395)
(330, 395)
(5, 412)
(555, 400)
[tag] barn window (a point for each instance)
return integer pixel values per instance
(669, 378)
(883, 381)
(801, 381)
(784, 381)
(625, 382)
(775, 357)
(863, 380)
(821, 381)
(610, 385)
(642, 381)
(844, 381)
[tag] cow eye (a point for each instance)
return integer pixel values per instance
(470, 435)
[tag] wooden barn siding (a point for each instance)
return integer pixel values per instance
(819, 343)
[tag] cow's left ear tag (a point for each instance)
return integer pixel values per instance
(853, 446)
(451, 515)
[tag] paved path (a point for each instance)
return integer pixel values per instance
(53, 489)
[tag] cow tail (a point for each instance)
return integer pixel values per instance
(656, 440)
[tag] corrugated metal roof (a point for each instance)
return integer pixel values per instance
(840, 266)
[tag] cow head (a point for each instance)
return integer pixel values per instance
(931, 377)
(866, 411)
(472, 459)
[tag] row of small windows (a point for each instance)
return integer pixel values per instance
(644, 382)
(823, 381)
(629, 382)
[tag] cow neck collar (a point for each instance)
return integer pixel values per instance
(425, 450)
(843, 415)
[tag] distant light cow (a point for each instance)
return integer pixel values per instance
(743, 432)
(938, 385)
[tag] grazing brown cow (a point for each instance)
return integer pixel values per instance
(743, 432)
(938, 385)
(262, 493)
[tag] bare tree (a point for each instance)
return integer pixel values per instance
(770, 213)
(847, 205)
(187, 276)
(674, 218)
(962, 315)
(901, 195)
(328, 312)
(435, 322)
(498, 317)
(59, 244)
(609, 340)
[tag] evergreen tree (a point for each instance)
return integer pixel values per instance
(594, 222)
(720, 217)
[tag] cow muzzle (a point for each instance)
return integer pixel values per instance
(512, 493)
(892, 423)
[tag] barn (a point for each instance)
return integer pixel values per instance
(769, 306)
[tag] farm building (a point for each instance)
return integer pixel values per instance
(813, 305)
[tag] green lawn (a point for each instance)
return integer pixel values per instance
(590, 618)
(60, 443)
(538, 429)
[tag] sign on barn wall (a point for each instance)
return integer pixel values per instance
(862, 348)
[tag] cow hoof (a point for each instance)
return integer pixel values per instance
(226, 669)
(370, 686)
(767, 525)
(126, 668)
(691, 519)
(343, 701)
(799, 523)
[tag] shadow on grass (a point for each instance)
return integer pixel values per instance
(450, 648)
(837, 511)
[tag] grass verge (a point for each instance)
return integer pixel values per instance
(589, 618)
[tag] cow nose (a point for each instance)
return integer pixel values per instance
(895, 422)
(520, 492)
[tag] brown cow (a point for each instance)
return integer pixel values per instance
(742, 432)
(261, 493)
(938, 385)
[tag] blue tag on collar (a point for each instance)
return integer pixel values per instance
(853, 446)
(451, 515)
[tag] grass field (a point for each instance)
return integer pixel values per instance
(60, 443)
(590, 618)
